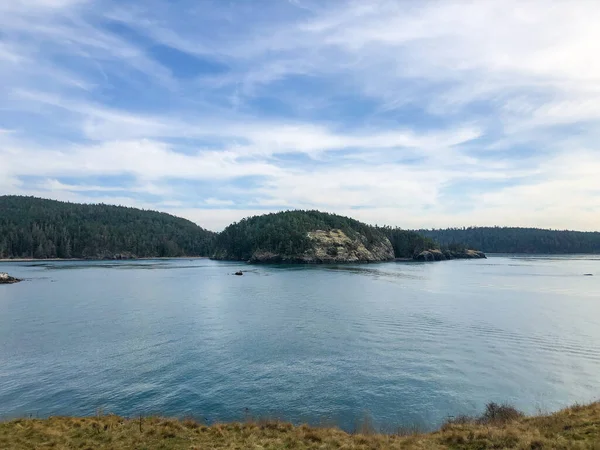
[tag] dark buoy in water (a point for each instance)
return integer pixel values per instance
(239, 272)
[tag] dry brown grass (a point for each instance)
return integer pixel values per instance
(577, 427)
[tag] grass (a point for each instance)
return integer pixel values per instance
(500, 427)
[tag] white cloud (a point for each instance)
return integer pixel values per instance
(218, 202)
(145, 159)
(214, 219)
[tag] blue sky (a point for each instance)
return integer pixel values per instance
(415, 114)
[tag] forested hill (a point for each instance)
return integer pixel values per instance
(298, 236)
(313, 236)
(518, 240)
(38, 228)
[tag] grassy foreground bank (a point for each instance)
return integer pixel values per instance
(577, 427)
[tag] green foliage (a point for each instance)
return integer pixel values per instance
(518, 240)
(408, 243)
(38, 228)
(285, 233)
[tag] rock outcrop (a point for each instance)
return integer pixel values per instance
(430, 255)
(333, 246)
(108, 256)
(7, 279)
(443, 255)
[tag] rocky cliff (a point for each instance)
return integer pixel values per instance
(333, 246)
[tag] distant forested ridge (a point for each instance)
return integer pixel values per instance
(37, 228)
(518, 240)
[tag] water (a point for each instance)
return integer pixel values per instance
(405, 343)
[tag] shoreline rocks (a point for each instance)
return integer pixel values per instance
(7, 279)
(444, 255)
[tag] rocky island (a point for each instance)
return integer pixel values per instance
(7, 279)
(309, 237)
(314, 237)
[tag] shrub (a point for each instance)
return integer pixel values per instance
(496, 413)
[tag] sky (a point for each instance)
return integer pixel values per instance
(412, 114)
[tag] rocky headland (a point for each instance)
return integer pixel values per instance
(443, 255)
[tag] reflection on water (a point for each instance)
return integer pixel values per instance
(407, 343)
(111, 264)
(378, 273)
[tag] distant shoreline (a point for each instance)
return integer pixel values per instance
(6, 260)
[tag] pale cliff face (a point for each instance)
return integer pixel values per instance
(334, 246)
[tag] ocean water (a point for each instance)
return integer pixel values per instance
(403, 343)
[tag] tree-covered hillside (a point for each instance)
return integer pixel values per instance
(518, 240)
(284, 233)
(287, 233)
(38, 228)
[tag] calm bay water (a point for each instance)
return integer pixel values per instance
(405, 343)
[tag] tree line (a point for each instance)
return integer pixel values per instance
(518, 240)
(38, 228)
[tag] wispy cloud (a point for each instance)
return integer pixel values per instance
(413, 114)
